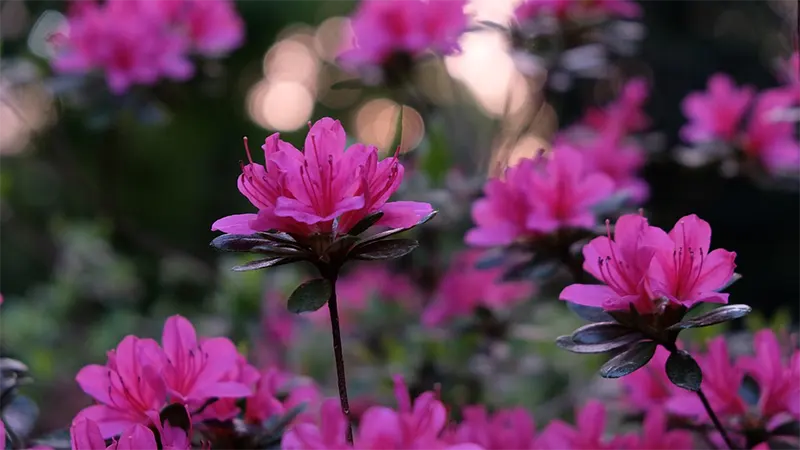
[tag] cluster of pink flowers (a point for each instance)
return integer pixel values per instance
(747, 120)
(648, 268)
(302, 193)
(464, 288)
(537, 197)
(576, 10)
(142, 377)
(141, 41)
(604, 137)
(382, 29)
(774, 402)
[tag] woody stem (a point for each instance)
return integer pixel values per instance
(337, 354)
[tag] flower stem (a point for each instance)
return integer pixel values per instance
(337, 353)
(715, 419)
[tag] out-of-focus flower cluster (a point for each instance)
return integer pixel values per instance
(138, 42)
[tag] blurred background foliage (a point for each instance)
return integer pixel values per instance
(106, 203)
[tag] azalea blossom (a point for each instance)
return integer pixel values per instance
(141, 377)
(303, 193)
(564, 9)
(655, 435)
(465, 288)
(770, 139)
(383, 29)
(538, 197)
(624, 115)
(717, 113)
(212, 26)
(293, 392)
(85, 435)
(684, 269)
(588, 432)
(505, 429)
(225, 408)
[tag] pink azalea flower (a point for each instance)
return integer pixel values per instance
(777, 377)
(538, 197)
(624, 115)
(501, 216)
(174, 438)
(587, 434)
(85, 435)
(721, 381)
(505, 429)
(381, 29)
(302, 193)
(649, 388)
(565, 192)
(129, 389)
(683, 270)
(130, 44)
(330, 434)
(357, 289)
(717, 113)
(464, 288)
(621, 264)
(563, 9)
(274, 383)
(225, 408)
(769, 139)
(196, 371)
(656, 436)
(213, 26)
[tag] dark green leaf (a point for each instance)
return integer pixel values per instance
(787, 429)
(713, 317)
(20, 416)
(683, 371)
(385, 249)
(589, 313)
(629, 360)
(365, 223)
(566, 343)
(600, 333)
(310, 296)
(354, 83)
(279, 237)
(177, 415)
(393, 231)
(749, 391)
(264, 263)
(491, 260)
(736, 277)
(275, 425)
(534, 269)
(398, 129)
(254, 243)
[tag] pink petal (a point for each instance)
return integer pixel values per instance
(718, 267)
(178, 339)
(85, 435)
(223, 389)
(379, 428)
(595, 295)
(137, 438)
(691, 232)
(404, 214)
(235, 224)
(94, 380)
(592, 420)
(222, 358)
(110, 421)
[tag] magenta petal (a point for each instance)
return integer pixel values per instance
(223, 389)
(110, 421)
(178, 339)
(85, 435)
(139, 437)
(404, 214)
(380, 427)
(717, 271)
(293, 208)
(94, 380)
(235, 224)
(588, 294)
(496, 235)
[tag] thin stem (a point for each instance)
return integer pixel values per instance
(337, 353)
(715, 419)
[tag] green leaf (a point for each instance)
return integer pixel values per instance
(683, 371)
(264, 263)
(719, 315)
(736, 277)
(397, 141)
(385, 249)
(354, 83)
(436, 161)
(393, 231)
(599, 333)
(365, 223)
(749, 391)
(310, 296)
(629, 360)
(589, 313)
(567, 343)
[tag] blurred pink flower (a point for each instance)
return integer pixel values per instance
(649, 387)
(656, 436)
(721, 381)
(587, 434)
(381, 29)
(129, 389)
(563, 9)
(293, 391)
(359, 287)
(196, 371)
(212, 26)
(778, 378)
(141, 377)
(129, 43)
(85, 435)
(538, 196)
(683, 270)
(564, 193)
(717, 113)
(464, 288)
(768, 138)
(505, 429)
(621, 264)
(329, 433)
(303, 192)
(624, 115)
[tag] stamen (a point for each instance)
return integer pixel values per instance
(247, 150)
